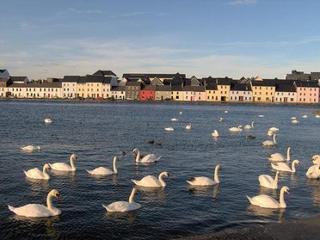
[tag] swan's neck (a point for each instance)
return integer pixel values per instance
(252, 124)
(293, 167)
(131, 197)
(162, 182)
(288, 154)
(274, 139)
(138, 156)
(115, 170)
(282, 202)
(276, 178)
(73, 166)
(44, 170)
(49, 201)
(216, 175)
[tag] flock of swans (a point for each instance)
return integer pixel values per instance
(278, 162)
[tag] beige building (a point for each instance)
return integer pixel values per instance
(35, 90)
(263, 90)
(118, 93)
(163, 93)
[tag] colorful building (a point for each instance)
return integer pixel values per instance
(263, 91)
(147, 93)
(285, 92)
(240, 92)
(307, 91)
(163, 92)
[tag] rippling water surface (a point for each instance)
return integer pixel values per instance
(97, 132)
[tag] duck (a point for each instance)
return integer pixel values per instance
(268, 182)
(149, 158)
(188, 126)
(38, 210)
(47, 120)
(205, 181)
(64, 166)
(235, 129)
(313, 172)
(284, 167)
(30, 148)
(35, 173)
(215, 134)
(248, 126)
(151, 181)
(270, 143)
(251, 137)
(169, 129)
(266, 201)
(278, 157)
(123, 206)
(102, 171)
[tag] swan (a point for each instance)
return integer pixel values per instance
(270, 133)
(317, 116)
(174, 120)
(47, 120)
(123, 206)
(64, 166)
(284, 167)
(248, 126)
(278, 157)
(266, 201)
(188, 126)
(215, 134)
(235, 129)
(152, 181)
(268, 182)
(294, 121)
(35, 173)
(205, 181)
(313, 172)
(102, 171)
(169, 129)
(270, 143)
(293, 118)
(226, 111)
(149, 158)
(38, 210)
(261, 116)
(180, 113)
(30, 148)
(316, 159)
(305, 116)
(273, 129)
(221, 119)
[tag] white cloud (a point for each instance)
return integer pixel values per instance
(242, 2)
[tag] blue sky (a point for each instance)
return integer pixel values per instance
(42, 38)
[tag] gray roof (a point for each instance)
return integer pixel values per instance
(312, 84)
(163, 88)
(71, 78)
(118, 88)
(18, 78)
(238, 86)
(37, 85)
(104, 73)
(285, 87)
(151, 75)
(264, 83)
(194, 88)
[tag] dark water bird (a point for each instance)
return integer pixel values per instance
(250, 137)
(151, 141)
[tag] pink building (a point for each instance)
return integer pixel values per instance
(307, 91)
(194, 93)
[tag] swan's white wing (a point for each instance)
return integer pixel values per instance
(266, 178)
(60, 166)
(32, 210)
(201, 181)
(35, 173)
(265, 201)
(313, 172)
(148, 181)
(101, 171)
(122, 206)
(282, 166)
(277, 157)
(150, 158)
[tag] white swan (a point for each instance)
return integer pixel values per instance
(152, 181)
(188, 126)
(294, 121)
(270, 143)
(235, 129)
(174, 120)
(317, 116)
(305, 116)
(316, 159)
(266, 201)
(273, 129)
(47, 120)
(261, 116)
(123, 206)
(215, 134)
(226, 111)
(169, 129)
(30, 148)
(180, 113)
(35, 173)
(248, 126)
(278, 157)
(38, 210)
(313, 172)
(293, 118)
(221, 119)
(268, 182)
(149, 158)
(205, 181)
(64, 166)
(284, 167)
(102, 171)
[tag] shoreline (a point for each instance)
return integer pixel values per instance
(154, 102)
(302, 229)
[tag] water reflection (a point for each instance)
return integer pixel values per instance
(101, 178)
(152, 194)
(267, 212)
(315, 185)
(205, 191)
(37, 185)
(129, 217)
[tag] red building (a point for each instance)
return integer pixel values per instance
(147, 93)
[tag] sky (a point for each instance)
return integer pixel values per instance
(235, 38)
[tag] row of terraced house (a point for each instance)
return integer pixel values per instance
(298, 87)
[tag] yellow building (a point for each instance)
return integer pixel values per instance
(35, 90)
(263, 90)
(177, 93)
(94, 87)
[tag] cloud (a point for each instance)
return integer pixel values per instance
(242, 2)
(84, 11)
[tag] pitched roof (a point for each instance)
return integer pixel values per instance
(18, 78)
(118, 88)
(285, 87)
(37, 85)
(238, 86)
(71, 78)
(151, 75)
(94, 79)
(104, 73)
(312, 84)
(194, 88)
(264, 83)
(163, 88)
